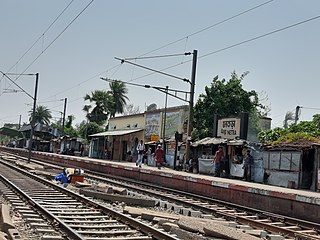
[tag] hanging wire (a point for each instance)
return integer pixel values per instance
(185, 47)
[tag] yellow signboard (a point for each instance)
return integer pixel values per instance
(154, 138)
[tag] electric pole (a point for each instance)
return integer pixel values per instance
(164, 124)
(64, 115)
(296, 118)
(19, 122)
(191, 100)
(32, 122)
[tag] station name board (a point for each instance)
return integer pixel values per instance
(229, 128)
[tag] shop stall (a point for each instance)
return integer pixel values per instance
(204, 151)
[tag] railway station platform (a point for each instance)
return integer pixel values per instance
(284, 201)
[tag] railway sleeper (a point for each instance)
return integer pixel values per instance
(61, 212)
(114, 226)
(108, 233)
(29, 215)
(121, 238)
(84, 217)
(71, 209)
(91, 221)
(33, 220)
(311, 232)
(51, 237)
(263, 220)
(294, 228)
(45, 230)
(278, 224)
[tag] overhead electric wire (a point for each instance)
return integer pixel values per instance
(236, 44)
(261, 36)
(5, 75)
(56, 38)
(97, 75)
(50, 44)
(214, 52)
(206, 28)
(159, 56)
(311, 108)
(42, 35)
(41, 102)
(192, 34)
(153, 70)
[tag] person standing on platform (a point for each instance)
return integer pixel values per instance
(149, 156)
(218, 157)
(159, 156)
(140, 149)
(248, 162)
(81, 150)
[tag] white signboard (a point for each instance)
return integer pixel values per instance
(229, 128)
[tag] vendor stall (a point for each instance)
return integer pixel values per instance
(204, 152)
(236, 154)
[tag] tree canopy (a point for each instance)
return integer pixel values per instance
(100, 110)
(225, 98)
(88, 128)
(118, 92)
(304, 130)
(42, 115)
(106, 103)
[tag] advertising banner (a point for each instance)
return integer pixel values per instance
(152, 125)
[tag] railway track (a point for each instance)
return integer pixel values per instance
(68, 215)
(273, 223)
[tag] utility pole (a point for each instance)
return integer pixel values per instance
(64, 115)
(296, 118)
(32, 123)
(164, 124)
(191, 100)
(19, 122)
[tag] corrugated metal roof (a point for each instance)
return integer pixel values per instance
(10, 132)
(237, 142)
(116, 132)
(208, 141)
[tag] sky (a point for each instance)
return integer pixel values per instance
(72, 44)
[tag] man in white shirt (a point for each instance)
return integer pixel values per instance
(140, 149)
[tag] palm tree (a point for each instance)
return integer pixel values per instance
(103, 103)
(118, 92)
(41, 115)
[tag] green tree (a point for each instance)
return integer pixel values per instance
(42, 115)
(304, 130)
(69, 129)
(88, 128)
(103, 102)
(316, 120)
(71, 132)
(226, 98)
(118, 92)
(69, 121)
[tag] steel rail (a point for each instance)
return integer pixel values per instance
(69, 231)
(146, 229)
(240, 219)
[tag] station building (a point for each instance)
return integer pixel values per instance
(124, 133)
